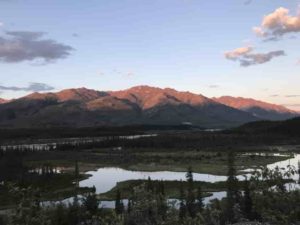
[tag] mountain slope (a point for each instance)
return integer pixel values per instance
(168, 106)
(138, 105)
(79, 94)
(259, 109)
(2, 101)
(289, 127)
(147, 97)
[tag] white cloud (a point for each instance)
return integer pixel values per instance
(277, 24)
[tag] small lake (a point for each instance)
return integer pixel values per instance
(104, 179)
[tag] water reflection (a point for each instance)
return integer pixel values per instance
(104, 179)
(52, 144)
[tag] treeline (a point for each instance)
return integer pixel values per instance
(181, 136)
(289, 127)
(71, 132)
(187, 140)
(66, 132)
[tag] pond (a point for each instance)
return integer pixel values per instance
(104, 179)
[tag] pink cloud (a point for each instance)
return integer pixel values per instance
(246, 57)
(277, 24)
(238, 52)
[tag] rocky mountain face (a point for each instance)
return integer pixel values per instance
(138, 105)
(259, 109)
(2, 101)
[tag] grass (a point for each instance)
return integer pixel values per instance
(53, 187)
(153, 160)
(171, 188)
(138, 159)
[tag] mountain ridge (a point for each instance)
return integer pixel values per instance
(137, 105)
(2, 100)
(260, 109)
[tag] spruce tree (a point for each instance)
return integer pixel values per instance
(232, 189)
(200, 204)
(182, 206)
(190, 198)
(248, 204)
(119, 206)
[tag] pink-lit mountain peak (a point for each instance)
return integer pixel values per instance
(246, 103)
(148, 97)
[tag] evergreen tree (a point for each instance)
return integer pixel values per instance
(248, 205)
(119, 206)
(232, 189)
(200, 204)
(76, 173)
(129, 206)
(299, 171)
(182, 206)
(91, 203)
(190, 198)
(149, 184)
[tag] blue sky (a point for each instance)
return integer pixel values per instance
(116, 44)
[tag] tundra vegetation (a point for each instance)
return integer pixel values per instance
(33, 178)
(264, 198)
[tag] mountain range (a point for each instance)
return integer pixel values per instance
(259, 109)
(138, 105)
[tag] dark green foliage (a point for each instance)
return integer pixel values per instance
(247, 201)
(119, 206)
(232, 198)
(289, 127)
(190, 197)
(10, 114)
(149, 207)
(200, 204)
(182, 206)
(91, 203)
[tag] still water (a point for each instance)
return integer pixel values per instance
(104, 179)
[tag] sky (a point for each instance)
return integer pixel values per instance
(247, 48)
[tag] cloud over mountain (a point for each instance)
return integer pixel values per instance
(246, 57)
(277, 24)
(19, 46)
(35, 87)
